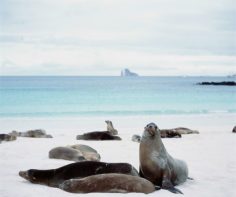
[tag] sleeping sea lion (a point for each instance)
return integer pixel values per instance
(54, 177)
(113, 182)
(66, 153)
(156, 164)
(37, 133)
(97, 135)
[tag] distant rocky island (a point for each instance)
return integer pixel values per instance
(127, 73)
(222, 83)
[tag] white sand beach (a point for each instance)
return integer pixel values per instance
(210, 155)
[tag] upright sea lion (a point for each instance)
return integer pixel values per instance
(156, 164)
(54, 177)
(110, 128)
(120, 183)
(97, 135)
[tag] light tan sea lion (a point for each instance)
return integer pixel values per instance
(182, 130)
(37, 133)
(66, 153)
(119, 183)
(87, 152)
(156, 164)
(54, 177)
(110, 128)
(77, 152)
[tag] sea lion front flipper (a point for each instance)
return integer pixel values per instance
(167, 185)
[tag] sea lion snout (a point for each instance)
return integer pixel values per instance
(151, 128)
(24, 174)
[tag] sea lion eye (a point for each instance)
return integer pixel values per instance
(156, 127)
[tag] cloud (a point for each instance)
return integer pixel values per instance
(89, 36)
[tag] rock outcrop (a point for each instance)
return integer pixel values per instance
(127, 73)
(222, 83)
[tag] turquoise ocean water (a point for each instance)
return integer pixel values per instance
(116, 96)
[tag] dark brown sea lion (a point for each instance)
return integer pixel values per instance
(97, 135)
(7, 137)
(54, 177)
(156, 164)
(120, 183)
(234, 129)
(166, 133)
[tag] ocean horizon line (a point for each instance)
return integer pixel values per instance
(227, 76)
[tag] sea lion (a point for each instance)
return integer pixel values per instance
(66, 153)
(167, 133)
(136, 138)
(88, 152)
(77, 152)
(7, 137)
(234, 129)
(37, 133)
(156, 164)
(120, 183)
(54, 177)
(110, 128)
(97, 135)
(182, 130)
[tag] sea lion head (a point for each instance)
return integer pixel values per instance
(151, 129)
(34, 176)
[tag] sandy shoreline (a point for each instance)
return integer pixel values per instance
(209, 155)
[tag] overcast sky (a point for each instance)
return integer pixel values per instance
(101, 37)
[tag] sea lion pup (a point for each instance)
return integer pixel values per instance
(54, 177)
(156, 164)
(7, 137)
(110, 128)
(97, 135)
(37, 133)
(120, 183)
